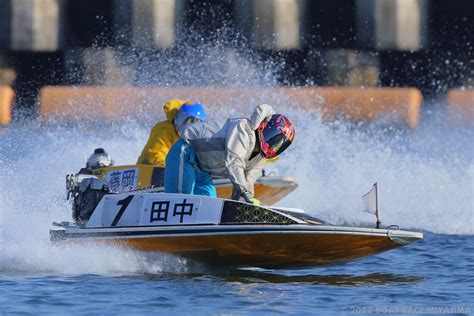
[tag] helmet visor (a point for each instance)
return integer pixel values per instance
(275, 138)
(278, 142)
(191, 120)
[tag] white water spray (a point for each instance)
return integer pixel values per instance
(424, 183)
(425, 180)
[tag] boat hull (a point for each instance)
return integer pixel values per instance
(286, 246)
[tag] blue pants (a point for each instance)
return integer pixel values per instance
(182, 174)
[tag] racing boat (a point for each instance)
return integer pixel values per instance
(215, 230)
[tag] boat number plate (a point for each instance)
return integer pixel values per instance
(156, 211)
(122, 180)
(171, 211)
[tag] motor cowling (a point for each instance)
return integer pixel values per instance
(86, 194)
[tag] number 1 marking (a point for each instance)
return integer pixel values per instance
(125, 202)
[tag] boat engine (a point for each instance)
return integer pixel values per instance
(86, 192)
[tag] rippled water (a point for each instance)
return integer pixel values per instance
(426, 184)
(435, 273)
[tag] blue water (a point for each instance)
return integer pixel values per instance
(435, 273)
(426, 183)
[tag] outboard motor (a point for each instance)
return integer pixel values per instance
(86, 191)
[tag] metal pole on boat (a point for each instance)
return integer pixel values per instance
(371, 203)
(377, 213)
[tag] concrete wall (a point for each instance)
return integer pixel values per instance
(367, 43)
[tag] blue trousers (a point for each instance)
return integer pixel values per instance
(182, 174)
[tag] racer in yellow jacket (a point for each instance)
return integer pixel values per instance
(162, 137)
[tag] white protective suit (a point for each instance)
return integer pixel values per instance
(224, 149)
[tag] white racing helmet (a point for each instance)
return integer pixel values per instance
(99, 159)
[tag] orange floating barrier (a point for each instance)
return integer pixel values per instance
(7, 97)
(461, 104)
(96, 103)
(394, 105)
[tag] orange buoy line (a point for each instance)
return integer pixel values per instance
(7, 97)
(395, 105)
(461, 104)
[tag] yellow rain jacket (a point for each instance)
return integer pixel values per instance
(162, 137)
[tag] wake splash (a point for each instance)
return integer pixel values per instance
(425, 183)
(34, 162)
(425, 177)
